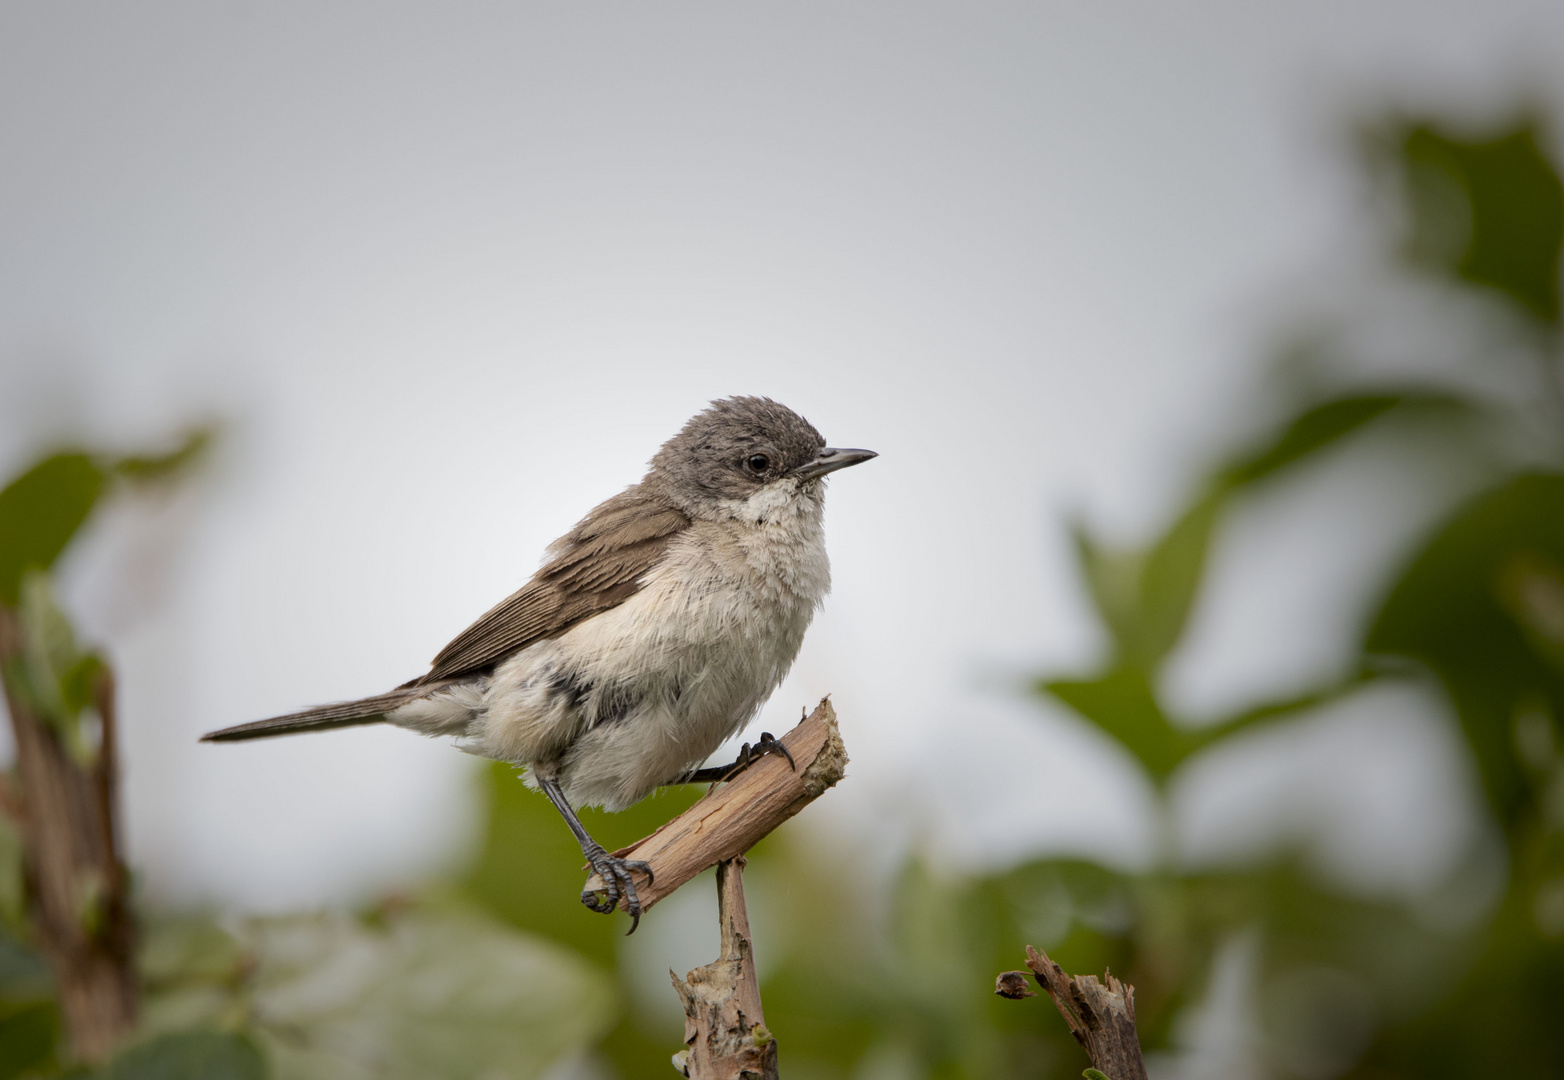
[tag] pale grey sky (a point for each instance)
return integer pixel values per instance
(452, 272)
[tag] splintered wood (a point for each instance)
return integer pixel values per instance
(1102, 1018)
(737, 814)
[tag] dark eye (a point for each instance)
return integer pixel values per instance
(758, 463)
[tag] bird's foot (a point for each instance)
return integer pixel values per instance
(617, 882)
(748, 755)
(766, 744)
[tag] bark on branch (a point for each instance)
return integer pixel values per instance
(736, 815)
(1101, 1017)
(724, 1028)
(77, 884)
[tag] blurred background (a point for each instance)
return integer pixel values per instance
(1203, 615)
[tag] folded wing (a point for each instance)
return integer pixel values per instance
(595, 566)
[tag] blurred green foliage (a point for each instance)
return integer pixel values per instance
(410, 989)
(501, 972)
(41, 511)
(1347, 986)
(529, 873)
(188, 1055)
(1489, 210)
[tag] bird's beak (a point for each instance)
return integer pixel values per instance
(829, 460)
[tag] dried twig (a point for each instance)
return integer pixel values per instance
(724, 1028)
(737, 814)
(1101, 1017)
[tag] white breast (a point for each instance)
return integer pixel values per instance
(629, 699)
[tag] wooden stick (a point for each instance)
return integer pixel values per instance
(724, 1028)
(1102, 1018)
(737, 814)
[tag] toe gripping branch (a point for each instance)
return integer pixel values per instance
(612, 871)
(774, 780)
(766, 744)
(616, 876)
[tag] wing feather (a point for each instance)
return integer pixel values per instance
(597, 565)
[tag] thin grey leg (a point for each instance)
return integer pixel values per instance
(614, 871)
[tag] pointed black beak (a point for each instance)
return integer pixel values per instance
(830, 459)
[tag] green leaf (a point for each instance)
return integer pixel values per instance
(1489, 211)
(1531, 590)
(1507, 995)
(1171, 578)
(190, 949)
(1311, 430)
(161, 466)
(1144, 597)
(52, 674)
(1113, 580)
(1457, 608)
(1123, 704)
(44, 507)
(29, 1032)
(39, 513)
(422, 992)
(1324, 423)
(190, 1055)
(1094, 1074)
(24, 975)
(1282, 707)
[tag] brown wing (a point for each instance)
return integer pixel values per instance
(595, 566)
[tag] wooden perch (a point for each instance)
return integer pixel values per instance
(737, 814)
(1102, 1018)
(724, 1028)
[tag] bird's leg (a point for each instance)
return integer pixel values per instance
(614, 871)
(766, 744)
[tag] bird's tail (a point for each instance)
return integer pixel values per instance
(370, 710)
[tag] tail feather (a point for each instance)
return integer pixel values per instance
(370, 710)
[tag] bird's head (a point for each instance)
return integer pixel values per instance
(743, 456)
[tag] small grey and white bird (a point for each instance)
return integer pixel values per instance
(655, 630)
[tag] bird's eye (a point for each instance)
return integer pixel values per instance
(758, 463)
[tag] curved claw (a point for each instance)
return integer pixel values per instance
(770, 744)
(747, 756)
(615, 873)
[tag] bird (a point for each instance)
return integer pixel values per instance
(654, 630)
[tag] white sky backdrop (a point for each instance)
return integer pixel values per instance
(452, 273)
